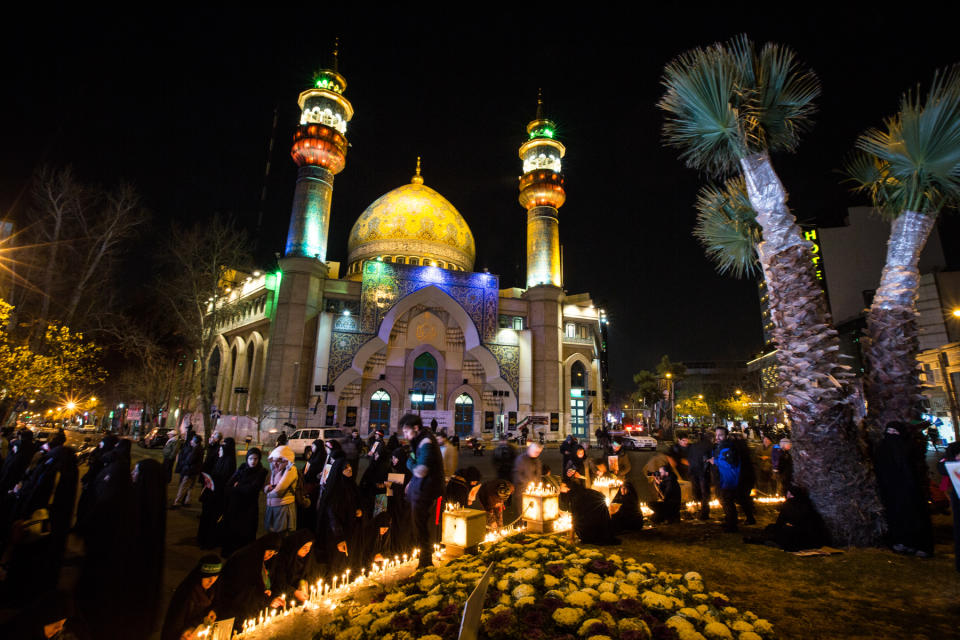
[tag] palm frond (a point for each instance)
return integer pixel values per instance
(871, 176)
(920, 146)
(701, 119)
(727, 228)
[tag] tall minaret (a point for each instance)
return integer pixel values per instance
(541, 194)
(320, 150)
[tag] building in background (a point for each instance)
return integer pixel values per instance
(409, 325)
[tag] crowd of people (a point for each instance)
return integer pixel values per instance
(328, 517)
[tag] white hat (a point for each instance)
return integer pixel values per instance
(283, 451)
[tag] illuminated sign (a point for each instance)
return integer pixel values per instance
(810, 235)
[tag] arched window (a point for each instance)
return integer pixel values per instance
(463, 415)
(578, 400)
(401, 260)
(424, 397)
(578, 376)
(214, 369)
(380, 411)
(415, 261)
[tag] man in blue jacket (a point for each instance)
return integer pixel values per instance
(425, 490)
(726, 464)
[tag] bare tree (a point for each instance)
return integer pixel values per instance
(205, 259)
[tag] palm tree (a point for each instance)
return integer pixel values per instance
(728, 106)
(911, 170)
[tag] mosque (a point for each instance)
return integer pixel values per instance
(406, 324)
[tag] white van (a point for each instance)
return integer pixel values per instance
(300, 439)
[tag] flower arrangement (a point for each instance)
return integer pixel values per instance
(545, 587)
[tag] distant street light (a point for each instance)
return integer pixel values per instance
(956, 312)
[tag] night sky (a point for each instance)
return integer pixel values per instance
(182, 106)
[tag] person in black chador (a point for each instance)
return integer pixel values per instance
(214, 499)
(212, 452)
(52, 485)
(373, 488)
(195, 600)
(241, 515)
(462, 488)
(107, 530)
(340, 518)
(667, 509)
(316, 455)
(591, 518)
(296, 567)
(798, 526)
(149, 516)
(627, 516)
(248, 580)
(380, 540)
(95, 465)
(17, 461)
(51, 616)
(909, 529)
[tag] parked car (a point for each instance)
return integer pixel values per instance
(640, 443)
(301, 438)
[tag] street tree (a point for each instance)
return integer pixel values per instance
(65, 367)
(198, 289)
(75, 235)
(910, 168)
(693, 405)
(728, 107)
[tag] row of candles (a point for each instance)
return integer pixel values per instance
(693, 505)
(328, 594)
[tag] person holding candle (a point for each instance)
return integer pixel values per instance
(296, 565)
(248, 580)
(591, 518)
(193, 602)
(340, 517)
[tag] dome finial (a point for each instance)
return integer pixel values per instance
(539, 104)
(417, 178)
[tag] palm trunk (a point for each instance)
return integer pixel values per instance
(829, 454)
(892, 386)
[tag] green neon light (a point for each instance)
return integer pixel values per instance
(543, 132)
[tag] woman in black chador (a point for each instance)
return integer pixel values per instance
(591, 518)
(340, 516)
(242, 511)
(150, 521)
(307, 516)
(194, 601)
(903, 489)
(372, 485)
(296, 566)
(214, 500)
(627, 516)
(249, 578)
(107, 530)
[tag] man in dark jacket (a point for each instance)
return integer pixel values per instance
(697, 456)
(189, 466)
(667, 509)
(425, 490)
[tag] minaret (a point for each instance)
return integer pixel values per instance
(320, 150)
(541, 194)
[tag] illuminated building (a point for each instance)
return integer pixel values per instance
(409, 325)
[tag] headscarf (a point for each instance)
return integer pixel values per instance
(290, 567)
(317, 459)
(226, 464)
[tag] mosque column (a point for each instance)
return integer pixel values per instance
(542, 194)
(320, 150)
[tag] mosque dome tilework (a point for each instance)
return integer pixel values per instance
(412, 221)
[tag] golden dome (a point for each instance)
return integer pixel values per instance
(412, 224)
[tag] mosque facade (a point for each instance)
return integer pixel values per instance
(407, 325)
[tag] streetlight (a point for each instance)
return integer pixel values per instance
(956, 312)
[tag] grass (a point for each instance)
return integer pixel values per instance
(862, 593)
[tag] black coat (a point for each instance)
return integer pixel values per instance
(338, 521)
(189, 605)
(902, 494)
(628, 517)
(591, 518)
(798, 525)
(190, 462)
(242, 593)
(241, 515)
